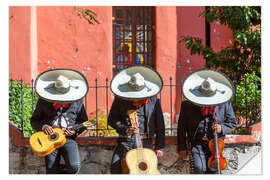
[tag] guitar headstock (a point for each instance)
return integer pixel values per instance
(87, 123)
(133, 118)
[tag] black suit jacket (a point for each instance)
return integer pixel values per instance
(45, 114)
(190, 117)
(119, 120)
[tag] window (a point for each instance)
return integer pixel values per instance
(133, 36)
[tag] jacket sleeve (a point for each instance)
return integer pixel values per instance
(114, 119)
(81, 117)
(182, 129)
(160, 127)
(229, 123)
(36, 120)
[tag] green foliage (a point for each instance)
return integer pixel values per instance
(86, 14)
(244, 55)
(15, 105)
(248, 100)
(102, 125)
(237, 18)
(15, 111)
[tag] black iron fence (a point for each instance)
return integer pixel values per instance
(22, 99)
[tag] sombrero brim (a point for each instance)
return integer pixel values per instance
(43, 86)
(225, 88)
(153, 83)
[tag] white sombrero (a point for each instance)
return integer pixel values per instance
(61, 85)
(207, 87)
(136, 82)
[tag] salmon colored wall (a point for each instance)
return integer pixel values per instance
(166, 49)
(19, 43)
(67, 41)
(172, 58)
(221, 36)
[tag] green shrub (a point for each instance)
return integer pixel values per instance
(15, 105)
(248, 100)
(102, 124)
(15, 111)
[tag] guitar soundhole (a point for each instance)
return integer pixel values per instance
(53, 137)
(142, 166)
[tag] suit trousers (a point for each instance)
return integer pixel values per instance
(71, 157)
(200, 154)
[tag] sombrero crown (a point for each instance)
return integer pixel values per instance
(136, 82)
(207, 87)
(61, 85)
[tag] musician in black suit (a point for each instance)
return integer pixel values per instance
(208, 93)
(135, 89)
(61, 105)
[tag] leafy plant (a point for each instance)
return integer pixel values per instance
(86, 14)
(101, 125)
(248, 100)
(244, 55)
(20, 107)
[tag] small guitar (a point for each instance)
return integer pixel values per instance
(140, 160)
(43, 144)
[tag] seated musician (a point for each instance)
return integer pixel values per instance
(60, 105)
(135, 89)
(208, 95)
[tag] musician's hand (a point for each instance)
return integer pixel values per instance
(133, 130)
(183, 154)
(48, 130)
(68, 131)
(159, 153)
(217, 127)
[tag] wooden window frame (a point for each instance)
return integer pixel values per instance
(148, 27)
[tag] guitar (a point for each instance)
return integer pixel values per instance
(216, 162)
(140, 160)
(43, 144)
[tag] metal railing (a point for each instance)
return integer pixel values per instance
(16, 111)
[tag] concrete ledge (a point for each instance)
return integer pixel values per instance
(253, 138)
(18, 139)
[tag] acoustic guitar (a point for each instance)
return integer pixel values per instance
(43, 144)
(140, 160)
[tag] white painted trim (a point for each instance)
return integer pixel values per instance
(33, 42)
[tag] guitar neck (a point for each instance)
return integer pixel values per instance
(217, 151)
(134, 123)
(138, 141)
(77, 126)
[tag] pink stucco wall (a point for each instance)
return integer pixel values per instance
(66, 41)
(166, 50)
(172, 58)
(19, 43)
(221, 36)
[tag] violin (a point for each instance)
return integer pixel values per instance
(216, 162)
